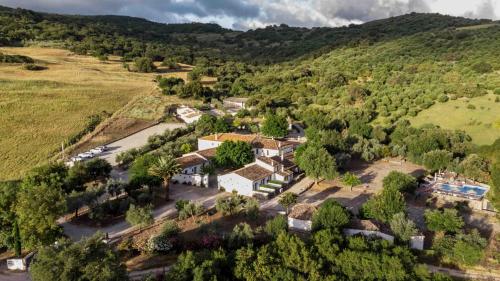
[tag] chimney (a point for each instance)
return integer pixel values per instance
(282, 168)
(282, 156)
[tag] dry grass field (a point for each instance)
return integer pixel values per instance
(41, 109)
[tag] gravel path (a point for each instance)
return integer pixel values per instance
(136, 140)
(206, 196)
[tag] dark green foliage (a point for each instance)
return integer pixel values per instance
(34, 67)
(276, 225)
(384, 206)
(275, 126)
(169, 85)
(8, 197)
(140, 217)
(331, 215)
(90, 260)
(462, 249)
(234, 154)
(287, 200)
(139, 174)
(144, 65)
(437, 160)
(400, 181)
(447, 220)
(316, 162)
(15, 59)
(38, 208)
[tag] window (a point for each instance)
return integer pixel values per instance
(195, 169)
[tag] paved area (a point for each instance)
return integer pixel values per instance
(136, 140)
(6, 275)
(206, 196)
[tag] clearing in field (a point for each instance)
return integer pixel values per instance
(479, 117)
(41, 109)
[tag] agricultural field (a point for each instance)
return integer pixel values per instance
(41, 109)
(479, 117)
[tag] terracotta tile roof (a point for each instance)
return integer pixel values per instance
(207, 153)
(229, 137)
(302, 211)
(253, 172)
(190, 160)
(287, 162)
(255, 140)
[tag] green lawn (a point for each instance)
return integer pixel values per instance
(481, 123)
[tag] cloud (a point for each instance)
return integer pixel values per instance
(245, 14)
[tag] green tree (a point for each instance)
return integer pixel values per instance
(191, 210)
(287, 200)
(385, 205)
(139, 172)
(275, 126)
(8, 198)
(474, 167)
(350, 180)
(447, 220)
(241, 235)
(206, 124)
(330, 215)
(165, 167)
(316, 162)
(276, 225)
(38, 208)
(144, 64)
(252, 208)
(90, 259)
(437, 160)
(230, 205)
(402, 227)
(186, 148)
(140, 217)
(399, 181)
(234, 154)
(17, 240)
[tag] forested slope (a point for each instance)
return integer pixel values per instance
(132, 37)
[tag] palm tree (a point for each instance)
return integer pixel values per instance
(165, 167)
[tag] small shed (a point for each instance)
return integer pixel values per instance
(300, 217)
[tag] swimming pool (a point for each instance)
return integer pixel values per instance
(464, 190)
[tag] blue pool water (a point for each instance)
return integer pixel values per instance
(464, 189)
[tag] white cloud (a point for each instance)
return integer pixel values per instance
(244, 14)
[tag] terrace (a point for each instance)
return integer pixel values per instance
(451, 184)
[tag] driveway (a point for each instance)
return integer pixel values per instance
(136, 140)
(206, 196)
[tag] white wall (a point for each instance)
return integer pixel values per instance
(351, 232)
(236, 182)
(193, 179)
(265, 165)
(266, 152)
(207, 144)
(417, 242)
(305, 225)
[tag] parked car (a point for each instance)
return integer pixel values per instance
(86, 155)
(76, 159)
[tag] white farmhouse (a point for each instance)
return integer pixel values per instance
(261, 146)
(192, 165)
(266, 176)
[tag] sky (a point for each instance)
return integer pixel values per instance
(251, 14)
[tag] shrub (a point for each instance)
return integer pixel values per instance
(276, 225)
(400, 182)
(159, 244)
(252, 208)
(471, 106)
(33, 67)
(482, 67)
(447, 220)
(144, 64)
(443, 98)
(230, 205)
(402, 227)
(191, 210)
(331, 215)
(497, 91)
(170, 228)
